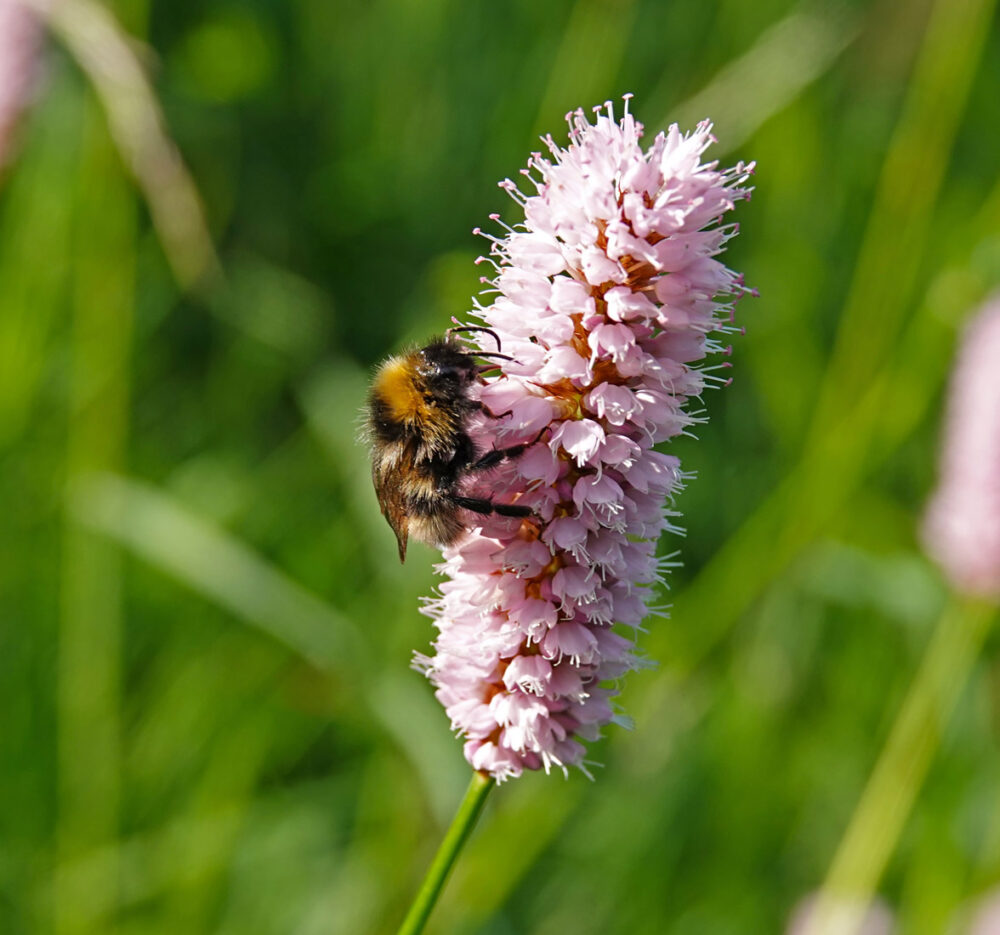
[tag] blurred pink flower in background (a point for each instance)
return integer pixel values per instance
(20, 41)
(985, 916)
(606, 298)
(874, 919)
(962, 527)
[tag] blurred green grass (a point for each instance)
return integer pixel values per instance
(209, 723)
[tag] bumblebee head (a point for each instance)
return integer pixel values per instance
(446, 370)
(424, 387)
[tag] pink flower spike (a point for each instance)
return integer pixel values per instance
(605, 298)
(961, 529)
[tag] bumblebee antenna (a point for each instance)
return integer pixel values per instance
(492, 354)
(489, 331)
(486, 368)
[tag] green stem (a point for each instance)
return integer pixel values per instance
(461, 827)
(885, 804)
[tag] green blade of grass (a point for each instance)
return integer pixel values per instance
(588, 58)
(851, 408)
(781, 64)
(162, 531)
(90, 630)
(889, 796)
(38, 204)
(105, 53)
(896, 239)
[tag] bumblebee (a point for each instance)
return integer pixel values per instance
(418, 412)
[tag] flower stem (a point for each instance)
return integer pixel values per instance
(461, 827)
(885, 804)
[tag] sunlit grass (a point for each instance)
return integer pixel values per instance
(885, 805)
(91, 627)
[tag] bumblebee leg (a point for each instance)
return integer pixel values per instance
(476, 504)
(494, 457)
(486, 507)
(511, 509)
(482, 407)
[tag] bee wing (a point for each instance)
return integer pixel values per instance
(390, 499)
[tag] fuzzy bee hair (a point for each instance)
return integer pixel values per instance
(418, 412)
